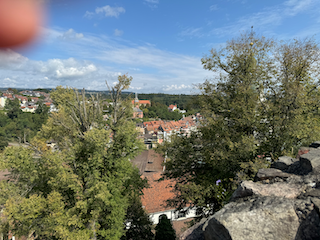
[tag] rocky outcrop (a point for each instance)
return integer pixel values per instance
(282, 203)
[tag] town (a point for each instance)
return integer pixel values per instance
(150, 164)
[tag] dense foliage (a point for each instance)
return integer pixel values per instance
(182, 101)
(158, 110)
(164, 229)
(20, 126)
(83, 189)
(140, 224)
(263, 101)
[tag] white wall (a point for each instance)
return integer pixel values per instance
(2, 101)
(172, 215)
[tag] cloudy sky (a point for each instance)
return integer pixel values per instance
(159, 43)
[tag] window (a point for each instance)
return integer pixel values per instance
(181, 214)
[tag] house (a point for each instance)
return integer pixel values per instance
(3, 101)
(172, 107)
(136, 102)
(137, 113)
(154, 198)
(29, 108)
(151, 140)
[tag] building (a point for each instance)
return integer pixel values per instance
(172, 107)
(3, 101)
(137, 113)
(136, 102)
(154, 199)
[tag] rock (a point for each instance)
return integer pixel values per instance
(316, 202)
(315, 144)
(281, 205)
(283, 163)
(265, 218)
(249, 188)
(270, 173)
(310, 161)
(303, 150)
(194, 233)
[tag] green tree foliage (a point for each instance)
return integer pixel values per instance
(158, 110)
(183, 101)
(164, 229)
(263, 101)
(140, 224)
(13, 108)
(81, 191)
(24, 126)
(3, 139)
(15, 91)
(45, 90)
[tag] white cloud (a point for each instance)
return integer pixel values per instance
(176, 87)
(191, 32)
(213, 7)
(89, 14)
(118, 32)
(9, 82)
(69, 68)
(135, 88)
(9, 57)
(296, 6)
(267, 18)
(70, 35)
(152, 69)
(106, 11)
(152, 1)
(110, 11)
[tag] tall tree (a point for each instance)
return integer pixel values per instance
(263, 101)
(81, 191)
(13, 108)
(164, 229)
(139, 225)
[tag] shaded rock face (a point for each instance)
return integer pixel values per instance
(282, 203)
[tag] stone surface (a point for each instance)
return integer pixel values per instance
(303, 150)
(265, 218)
(280, 205)
(249, 188)
(315, 144)
(270, 173)
(283, 163)
(194, 233)
(310, 161)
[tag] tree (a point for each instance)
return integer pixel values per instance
(293, 98)
(138, 222)
(81, 191)
(3, 139)
(264, 101)
(13, 108)
(164, 229)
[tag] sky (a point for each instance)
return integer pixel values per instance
(159, 43)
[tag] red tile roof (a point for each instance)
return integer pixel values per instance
(142, 102)
(154, 198)
(172, 106)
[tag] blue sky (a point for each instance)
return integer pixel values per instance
(159, 43)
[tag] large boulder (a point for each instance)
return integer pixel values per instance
(249, 188)
(194, 233)
(310, 161)
(282, 203)
(283, 163)
(270, 173)
(262, 218)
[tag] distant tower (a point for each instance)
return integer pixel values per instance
(136, 100)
